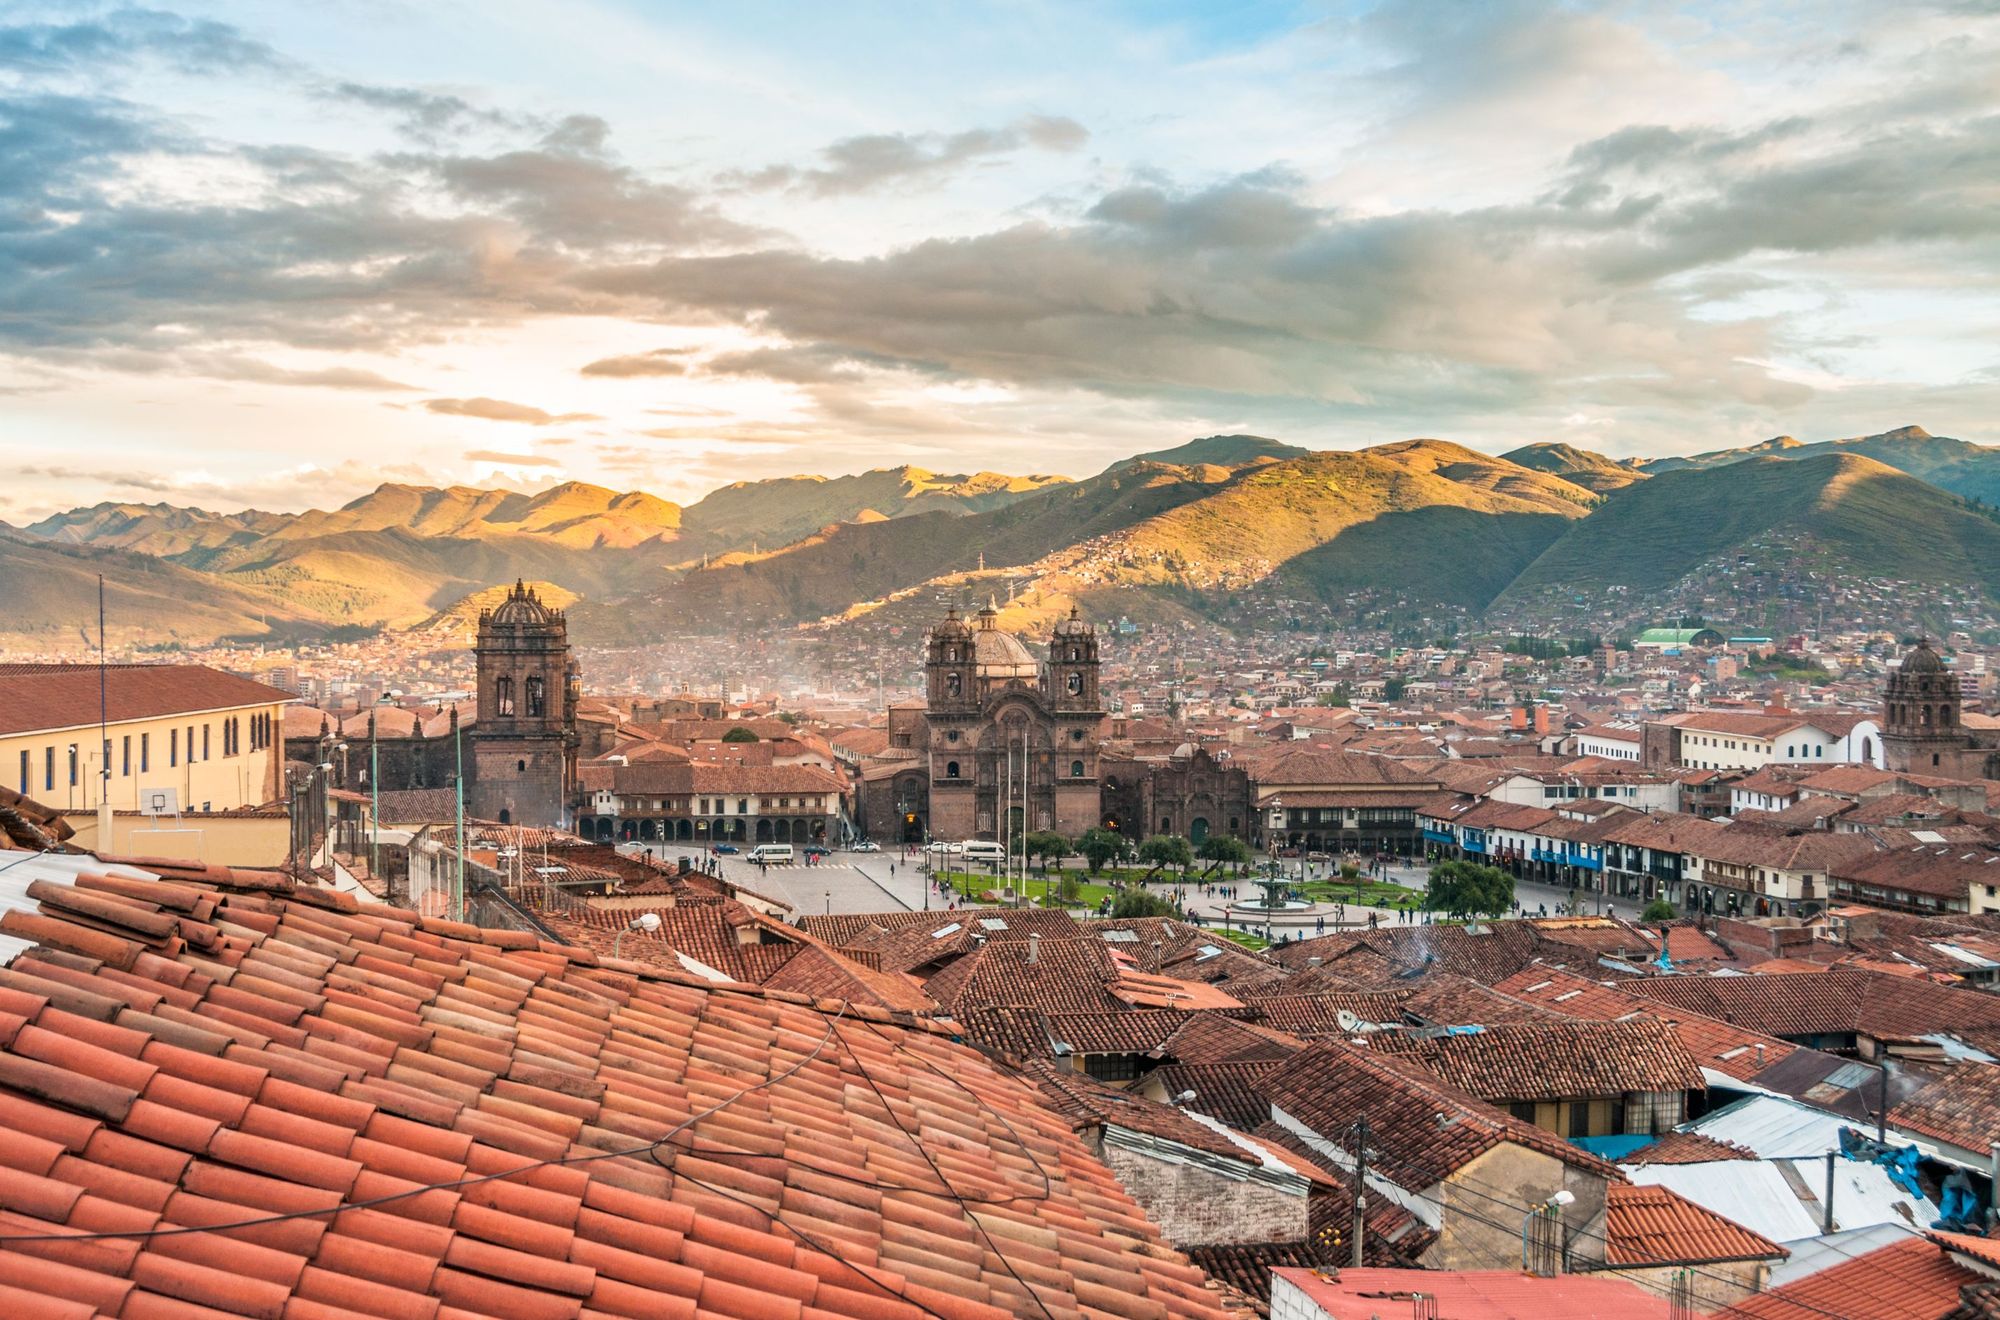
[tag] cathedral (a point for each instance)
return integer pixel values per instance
(1004, 745)
(1923, 723)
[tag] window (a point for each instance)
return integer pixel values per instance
(951, 769)
(24, 772)
(1075, 684)
(503, 696)
(742, 806)
(72, 765)
(520, 767)
(173, 747)
(145, 752)
(125, 757)
(1076, 769)
(951, 685)
(48, 769)
(204, 742)
(1111, 1067)
(534, 694)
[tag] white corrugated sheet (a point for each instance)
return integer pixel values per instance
(1810, 1257)
(19, 869)
(1773, 1127)
(1784, 1199)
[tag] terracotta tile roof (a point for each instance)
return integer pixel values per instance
(1914, 1279)
(1088, 1103)
(842, 927)
(1067, 976)
(1962, 1106)
(1330, 1085)
(1656, 1226)
(1713, 1043)
(1838, 1000)
(1229, 1092)
(1557, 1060)
(26, 823)
(190, 1055)
(1246, 1267)
(38, 697)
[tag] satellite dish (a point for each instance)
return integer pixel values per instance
(1347, 1020)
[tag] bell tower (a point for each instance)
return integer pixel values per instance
(1922, 725)
(1072, 669)
(949, 665)
(522, 761)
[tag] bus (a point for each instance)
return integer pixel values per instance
(984, 850)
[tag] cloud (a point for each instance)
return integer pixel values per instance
(658, 362)
(860, 164)
(500, 410)
(511, 460)
(226, 367)
(425, 116)
(191, 45)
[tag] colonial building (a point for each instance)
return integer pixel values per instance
(1923, 722)
(1006, 743)
(72, 736)
(523, 749)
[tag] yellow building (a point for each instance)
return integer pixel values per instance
(215, 740)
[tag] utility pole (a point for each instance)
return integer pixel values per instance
(1360, 1189)
(1828, 1220)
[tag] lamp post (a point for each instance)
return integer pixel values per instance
(829, 902)
(649, 922)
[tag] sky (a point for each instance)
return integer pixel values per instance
(273, 255)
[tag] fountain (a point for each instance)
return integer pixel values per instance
(1274, 885)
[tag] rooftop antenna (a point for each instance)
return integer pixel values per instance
(104, 840)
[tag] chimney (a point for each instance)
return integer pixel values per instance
(1034, 947)
(1760, 1058)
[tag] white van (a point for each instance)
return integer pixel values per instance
(985, 850)
(771, 854)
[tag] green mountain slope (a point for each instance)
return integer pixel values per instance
(51, 600)
(1581, 467)
(774, 512)
(1861, 516)
(1958, 466)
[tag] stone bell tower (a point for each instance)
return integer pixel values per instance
(522, 759)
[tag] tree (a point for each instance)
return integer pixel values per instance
(1659, 910)
(739, 734)
(1046, 845)
(1142, 903)
(1392, 688)
(1467, 889)
(1167, 850)
(1099, 845)
(1225, 850)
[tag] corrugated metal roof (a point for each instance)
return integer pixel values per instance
(1782, 1199)
(1810, 1257)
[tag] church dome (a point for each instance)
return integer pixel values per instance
(521, 606)
(1073, 626)
(951, 626)
(1922, 660)
(999, 655)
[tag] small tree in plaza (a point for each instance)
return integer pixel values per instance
(1099, 846)
(1468, 889)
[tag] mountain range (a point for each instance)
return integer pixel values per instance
(1426, 520)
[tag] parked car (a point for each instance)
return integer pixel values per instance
(727, 848)
(816, 850)
(866, 845)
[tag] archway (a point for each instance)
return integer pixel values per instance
(802, 831)
(506, 816)
(779, 830)
(764, 831)
(1197, 829)
(700, 829)
(738, 830)
(684, 829)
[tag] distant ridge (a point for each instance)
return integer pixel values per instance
(1152, 536)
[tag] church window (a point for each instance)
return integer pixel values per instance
(1076, 769)
(503, 696)
(951, 685)
(1166, 824)
(951, 735)
(1076, 735)
(521, 767)
(951, 769)
(533, 691)
(1075, 683)
(1944, 714)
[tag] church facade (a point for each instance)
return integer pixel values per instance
(1923, 723)
(1005, 745)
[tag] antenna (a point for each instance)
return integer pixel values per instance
(104, 840)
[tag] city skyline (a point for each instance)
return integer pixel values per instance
(273, 258)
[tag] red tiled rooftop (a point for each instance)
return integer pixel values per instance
(1914, 1279)
(480, 1123)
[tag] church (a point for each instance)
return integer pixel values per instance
(1923, 723)
(518, 743)
(1004, 745)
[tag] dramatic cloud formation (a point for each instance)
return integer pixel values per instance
(1632, 229)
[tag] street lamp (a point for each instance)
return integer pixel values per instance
(649, 922)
